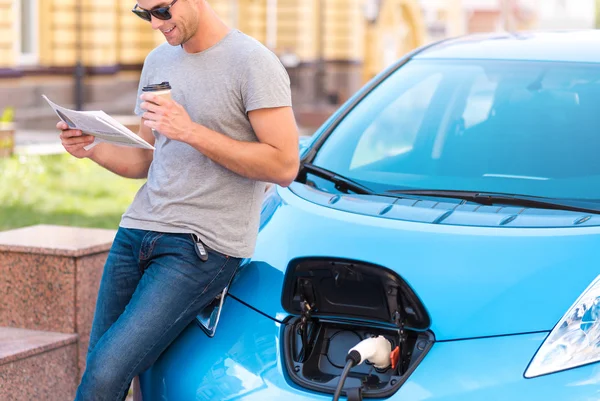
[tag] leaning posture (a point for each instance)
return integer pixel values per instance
(226, 130)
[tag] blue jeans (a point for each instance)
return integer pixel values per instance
(153, 286)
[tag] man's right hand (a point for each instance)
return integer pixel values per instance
(74, 140)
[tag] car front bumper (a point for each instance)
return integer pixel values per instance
(243, 362)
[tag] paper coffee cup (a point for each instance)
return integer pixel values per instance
(163, 89)
(165, 94)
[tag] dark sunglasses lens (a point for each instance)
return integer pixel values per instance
(143, 14)
(161, 13)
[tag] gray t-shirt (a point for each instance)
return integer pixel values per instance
(186, 192)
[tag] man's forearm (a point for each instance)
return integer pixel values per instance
(254, 160)
(124, 161)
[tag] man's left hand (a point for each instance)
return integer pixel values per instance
(166, 116)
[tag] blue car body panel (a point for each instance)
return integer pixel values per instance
(243, 362)
(474, 281)
(494, 280)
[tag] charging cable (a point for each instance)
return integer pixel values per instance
(350, 363)
(376, 350)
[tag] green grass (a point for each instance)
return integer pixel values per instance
(62, 190)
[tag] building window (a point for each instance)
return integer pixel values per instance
(27, 39)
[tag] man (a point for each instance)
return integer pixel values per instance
(228, 129)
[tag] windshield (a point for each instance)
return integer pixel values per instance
(530, 128)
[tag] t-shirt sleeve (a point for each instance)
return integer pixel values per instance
(265, 83)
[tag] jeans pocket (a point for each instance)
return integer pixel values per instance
(221, 268)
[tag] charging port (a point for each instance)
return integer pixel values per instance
(336, 304)
(318, 362)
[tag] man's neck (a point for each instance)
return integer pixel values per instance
(211, 30)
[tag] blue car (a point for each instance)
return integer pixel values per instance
(449, 210)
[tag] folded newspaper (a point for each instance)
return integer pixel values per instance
(99, 124)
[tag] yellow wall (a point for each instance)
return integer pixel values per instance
(7, 34)
(100, 32)
(226, 10)
(135, 38)
(398, 29)
(343, 29)
(297, 28)
(253, 18)
(113, 35)
(455, 18)
(58, 28)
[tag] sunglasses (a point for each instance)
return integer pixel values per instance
(161, 13)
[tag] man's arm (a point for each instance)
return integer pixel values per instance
(124, 161)
(274, 158)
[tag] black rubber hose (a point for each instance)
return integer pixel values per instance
(340, 386)
(352, 359)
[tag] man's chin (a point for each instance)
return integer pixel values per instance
(173, 41)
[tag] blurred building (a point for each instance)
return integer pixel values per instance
(330, 48)
(448, 18)
(499, 15)
(571, 14)
(443, 19)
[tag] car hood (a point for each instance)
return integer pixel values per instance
(475, 278)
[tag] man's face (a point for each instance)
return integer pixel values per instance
(183, 23)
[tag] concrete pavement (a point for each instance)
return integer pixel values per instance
(30, 142)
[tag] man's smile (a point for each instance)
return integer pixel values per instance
(168, 31)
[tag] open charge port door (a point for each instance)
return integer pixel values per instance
(338, 303)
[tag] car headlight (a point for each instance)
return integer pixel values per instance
(575, 340)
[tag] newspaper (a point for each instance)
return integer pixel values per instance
(99, 124)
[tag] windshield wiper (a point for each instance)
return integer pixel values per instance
(492, 198)
(342, 184)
